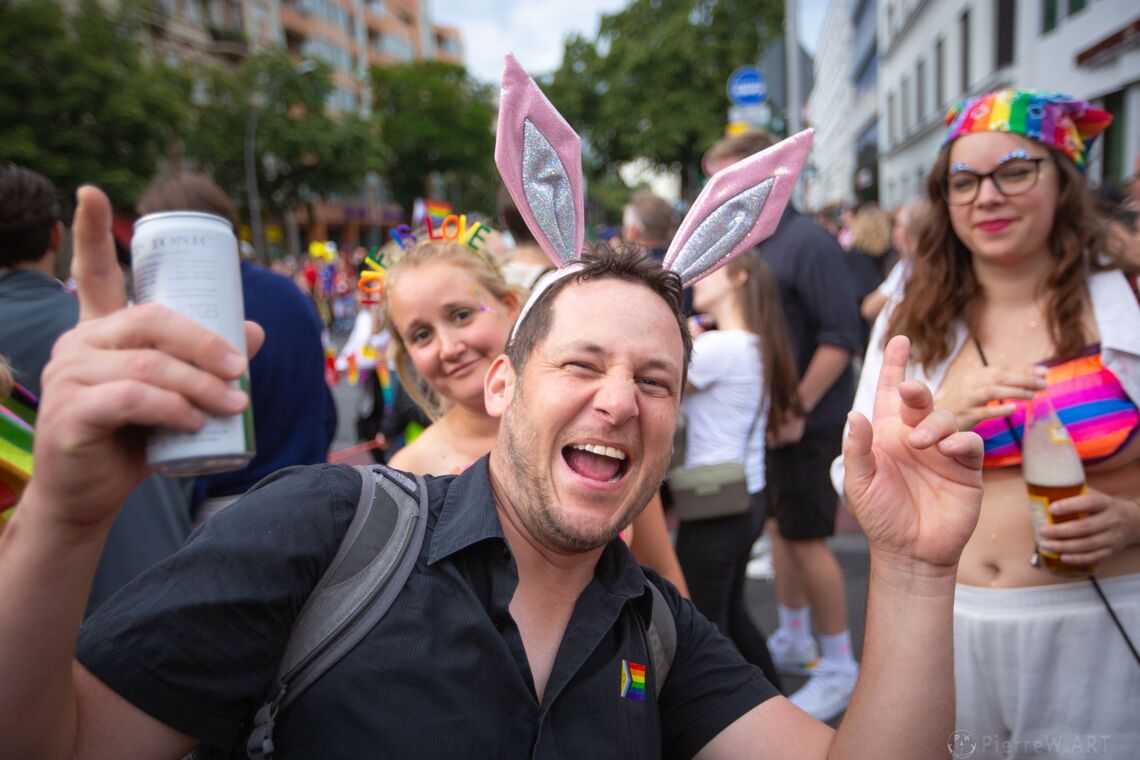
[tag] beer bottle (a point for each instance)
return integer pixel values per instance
(1053, 471)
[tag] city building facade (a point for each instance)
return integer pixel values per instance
(934, 53)
(350, 36)
(844, 107)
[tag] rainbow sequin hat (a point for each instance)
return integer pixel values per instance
(1068, 124)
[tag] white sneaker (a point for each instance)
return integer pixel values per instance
(792, 655)
(762, 546)
(828, 691)
(760, 569)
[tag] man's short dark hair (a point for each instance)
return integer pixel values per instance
(622, 262)
(187, 191)
(29, 209)
(737, 147)
(653, 214)
(510, 218)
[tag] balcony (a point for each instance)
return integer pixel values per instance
(228, 43)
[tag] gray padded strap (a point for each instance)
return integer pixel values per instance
(661, 636)
(375, 559)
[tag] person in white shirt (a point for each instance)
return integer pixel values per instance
(741, 377)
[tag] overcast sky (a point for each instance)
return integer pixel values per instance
(534, 29)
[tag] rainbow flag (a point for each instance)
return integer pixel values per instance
(22, 403)
(632, 681)
(437, 211)
(386, 393)
(353, 375)
(17, 416)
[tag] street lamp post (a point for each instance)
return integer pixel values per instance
(252, 192)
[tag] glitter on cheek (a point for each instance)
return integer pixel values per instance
(479, 298)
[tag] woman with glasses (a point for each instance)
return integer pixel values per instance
(1011, 294)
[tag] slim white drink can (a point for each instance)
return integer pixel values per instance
(188, 261)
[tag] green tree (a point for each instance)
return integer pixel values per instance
(652, 84)
(303, 151)
(437, 120)
(79, 103)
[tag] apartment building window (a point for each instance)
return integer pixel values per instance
(891, 118)
(920, 91)
(904, 102)
(964, 33)
(1075, 6)
(1006, 11)
(890, 17)
(939, 93)
(1049, 15)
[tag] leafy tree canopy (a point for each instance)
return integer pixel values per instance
(437, 120)
(652, 83)
(303, 152)
(79, 102)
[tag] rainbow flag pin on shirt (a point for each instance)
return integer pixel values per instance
(632, 681)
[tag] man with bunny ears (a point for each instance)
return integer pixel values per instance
(520, 631)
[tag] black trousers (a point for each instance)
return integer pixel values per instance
(713, 555)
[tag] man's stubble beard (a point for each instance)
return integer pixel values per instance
(534, 500)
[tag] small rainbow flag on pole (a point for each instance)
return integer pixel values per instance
(632, 681)
(437, 210)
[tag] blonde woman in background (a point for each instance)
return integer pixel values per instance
(450, 312)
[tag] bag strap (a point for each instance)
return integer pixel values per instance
(751, 430)
(375, 558)
(661, 637)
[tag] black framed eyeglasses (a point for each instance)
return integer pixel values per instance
(1014, 177)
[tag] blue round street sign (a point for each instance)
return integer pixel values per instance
(746, 86)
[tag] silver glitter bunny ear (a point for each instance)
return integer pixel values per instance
(740, 206)
(540, 159)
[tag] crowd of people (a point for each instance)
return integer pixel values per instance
(569, 578)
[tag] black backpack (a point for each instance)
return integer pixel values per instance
(375, 558)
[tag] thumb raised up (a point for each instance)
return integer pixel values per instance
(94, 265)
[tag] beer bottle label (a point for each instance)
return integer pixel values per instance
(1058, 433)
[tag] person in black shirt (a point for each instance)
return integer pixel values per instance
(825, 329)
(507, 637)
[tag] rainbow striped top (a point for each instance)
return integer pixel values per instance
(1090, 402)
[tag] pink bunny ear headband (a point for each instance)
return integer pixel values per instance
(540, 159)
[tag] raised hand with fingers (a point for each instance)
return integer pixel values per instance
(913, 481)
(119, 371)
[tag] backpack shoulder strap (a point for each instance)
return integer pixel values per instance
(661, 636)
(376, 556)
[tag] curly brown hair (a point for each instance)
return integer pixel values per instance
(943, 265)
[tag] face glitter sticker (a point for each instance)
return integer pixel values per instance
(961, 166)
(1013, 155)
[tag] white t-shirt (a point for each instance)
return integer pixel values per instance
(895, 285)
(727, 376)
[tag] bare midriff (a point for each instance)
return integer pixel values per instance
(998, 553)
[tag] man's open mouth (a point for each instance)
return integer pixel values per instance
(604, 464)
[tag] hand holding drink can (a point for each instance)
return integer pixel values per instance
(1053, 471)
(188, 262)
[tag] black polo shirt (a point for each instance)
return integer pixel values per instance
(197, 640)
